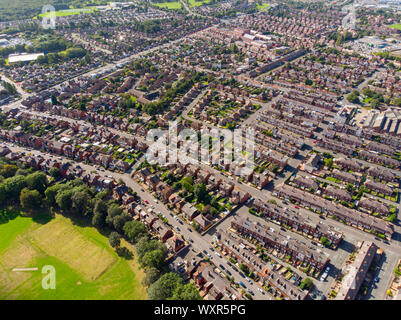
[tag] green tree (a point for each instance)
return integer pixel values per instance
(200, 191)
(13, 186)
(165, 286)
(63, 199)
(30, 199)
(134, 230)
(8, 170)
(115, 239)
(151, 276)
(306, 284)
(80, 202)
(52, 191)
(119, 221)
(37, 181)
(99, 213)
(186, 292)
(113, 211)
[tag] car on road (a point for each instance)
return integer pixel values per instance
(296, 207)
(314, 243)
(283, 229)
(190, 240)
(178, 228)
(189, 229)
(180, 222)
(146, 201)
(242, 284)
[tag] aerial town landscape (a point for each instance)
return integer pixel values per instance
(200, 149)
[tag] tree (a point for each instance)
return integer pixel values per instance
(8, 170)
(52, 191)
(186, 292)
(200, 191)
(80, 202)
(63, 199)
(2, 193)
(306, 284)
(30, 199)
(55, 172)
(13, 186)
(353, 97)
(115, 239)
(151, 276)
(153, 259)
(119, 221)
(99, 213)
(165, 286)
(36, 181)
(113, 211)
(134, 230)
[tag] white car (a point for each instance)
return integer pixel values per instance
(324, 276)
(261, 291)
(218, 254)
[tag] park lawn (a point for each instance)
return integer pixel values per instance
(86, 266)
(9, 231)
(194, 3)
(170, 5)
(69, 12)
(263, 7)
(395, 26)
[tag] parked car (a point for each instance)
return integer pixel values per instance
(242, 284)
(221, 266)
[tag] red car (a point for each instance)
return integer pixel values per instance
(146, 201)
(296, 207)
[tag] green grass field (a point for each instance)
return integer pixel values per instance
(194, 3)
(263, 7)
(70, 12)
(395, 26)
(86, 266)
(170, 5)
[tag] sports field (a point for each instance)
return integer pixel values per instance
(69, 12)
(170, 5)
(86, 266)
(195, 3)
(396, 26)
